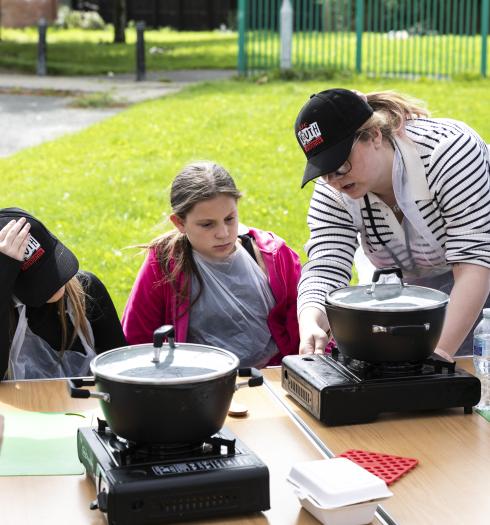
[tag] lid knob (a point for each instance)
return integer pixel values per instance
(167, 330)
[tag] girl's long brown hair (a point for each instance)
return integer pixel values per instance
(197, 182)
(77, 296)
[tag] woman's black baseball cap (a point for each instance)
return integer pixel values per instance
(48, 264)
(325, 129)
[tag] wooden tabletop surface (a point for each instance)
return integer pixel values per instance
(452, 449)
(268, 430)
(449, 486)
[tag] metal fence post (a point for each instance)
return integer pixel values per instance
(286, 25)
(41, 47)
(484, 34)
(242, 28)
(359, 32)
(140, 51)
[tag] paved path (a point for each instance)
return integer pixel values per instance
(28, 118)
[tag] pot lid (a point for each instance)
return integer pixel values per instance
(392, 297)
(185, 363)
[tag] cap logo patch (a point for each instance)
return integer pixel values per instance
(310, 136)
(33, 253)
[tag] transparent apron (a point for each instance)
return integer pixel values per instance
(31, 357)
(233, 308)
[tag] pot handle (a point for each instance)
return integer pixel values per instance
(166, 330)
(256, 377)
(400, 330)
(80, 393)
(386, 271)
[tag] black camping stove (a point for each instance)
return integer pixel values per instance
(339, 390)
(156, 484)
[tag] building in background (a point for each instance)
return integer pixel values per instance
(22, 13)
(178, 14)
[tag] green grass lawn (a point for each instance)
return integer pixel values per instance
(91, 52)
(107, 187)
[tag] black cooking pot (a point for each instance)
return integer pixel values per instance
(165, 393)
(386, 322)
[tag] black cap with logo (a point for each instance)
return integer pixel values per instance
(325, 129)
(48, 264)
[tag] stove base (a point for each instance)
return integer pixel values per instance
(174, 490)
(336, 396)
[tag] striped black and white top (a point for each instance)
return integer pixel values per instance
(457, 212)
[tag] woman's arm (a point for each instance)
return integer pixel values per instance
(460, 181)
(330, 250)
(469, 293)
(13, 242)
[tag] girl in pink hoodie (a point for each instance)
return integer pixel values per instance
(218, 283)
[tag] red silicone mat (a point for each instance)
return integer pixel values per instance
(388, 468)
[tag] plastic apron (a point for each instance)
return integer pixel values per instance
(429, 267)
(31, 357)
(233, 308)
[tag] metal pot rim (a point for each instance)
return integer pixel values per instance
(385, 306)
(164, 381)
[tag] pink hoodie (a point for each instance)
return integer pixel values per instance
(152, 302)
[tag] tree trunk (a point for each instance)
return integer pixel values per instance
(119, 21)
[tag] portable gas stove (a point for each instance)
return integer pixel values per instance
(339, 390)
(153, 484)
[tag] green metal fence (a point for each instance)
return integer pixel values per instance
(409, 38)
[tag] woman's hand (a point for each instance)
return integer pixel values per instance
(14, 237)
(314, 331)
(442, 353)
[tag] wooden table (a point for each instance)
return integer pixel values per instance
(268, 430)
(451, 484)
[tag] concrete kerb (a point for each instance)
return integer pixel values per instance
(123, 88)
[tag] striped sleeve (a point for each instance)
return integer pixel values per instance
(330, 248)
(459, 178)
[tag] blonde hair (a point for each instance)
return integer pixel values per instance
(391, 111)
(197, 182)
(77, 296)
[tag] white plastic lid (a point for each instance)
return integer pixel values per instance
(337, 482)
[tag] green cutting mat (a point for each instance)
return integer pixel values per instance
(41, 444)
(484, 413)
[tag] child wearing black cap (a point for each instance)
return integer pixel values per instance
(53, 318)
(417, 191)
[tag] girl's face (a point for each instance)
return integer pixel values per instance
(211, 226)
(371, 163)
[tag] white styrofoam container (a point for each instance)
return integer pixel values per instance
(357, 514)
(336, 482)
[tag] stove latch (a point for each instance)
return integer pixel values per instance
(100, 502)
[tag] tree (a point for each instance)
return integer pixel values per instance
(119, 21)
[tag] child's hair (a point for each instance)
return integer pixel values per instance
(74, 290)
(391, 111)
(197, 182)
(78, 298)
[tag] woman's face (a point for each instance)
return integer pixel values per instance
(211, 226)
(58, 295)
(370, 171)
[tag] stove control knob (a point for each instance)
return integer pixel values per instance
(100, 503)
